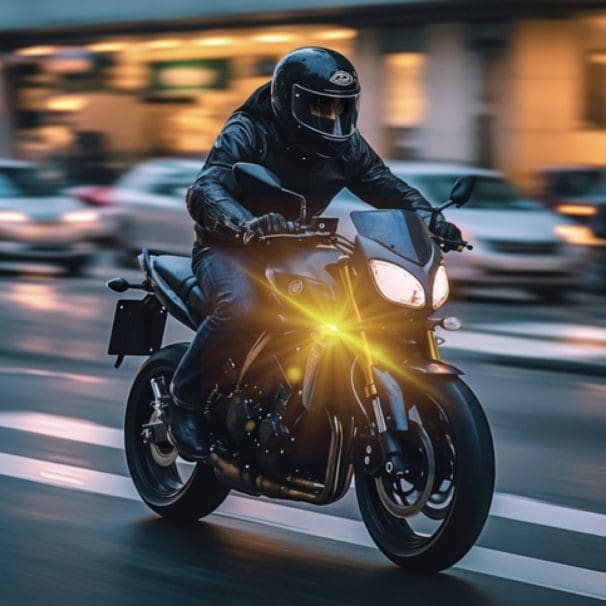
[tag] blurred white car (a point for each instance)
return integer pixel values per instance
(516, 240)
(39, 223)
(151, 199)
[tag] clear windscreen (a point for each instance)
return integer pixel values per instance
(402, 232)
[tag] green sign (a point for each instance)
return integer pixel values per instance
(178, 77)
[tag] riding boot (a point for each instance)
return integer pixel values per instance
(188, 430)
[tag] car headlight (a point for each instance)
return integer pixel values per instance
(81, 216)
(576, 234)
(396, 284)
(440, 290)
(577, 210)
(12, 217)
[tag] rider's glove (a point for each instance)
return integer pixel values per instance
(265, 225)
(448, 231)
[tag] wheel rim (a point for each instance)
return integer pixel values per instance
(162, 476)
(403, 498)
(163, 453)
(408, 526)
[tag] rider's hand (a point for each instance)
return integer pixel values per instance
(265, 225)
(448, 231)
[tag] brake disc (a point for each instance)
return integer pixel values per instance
(163, 453)
(401, 498)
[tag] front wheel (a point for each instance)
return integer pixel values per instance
(429, 521)
(171, 487)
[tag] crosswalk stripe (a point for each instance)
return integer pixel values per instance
(41, 372)
(532, 571)
(532, 511)
(569, 333)
(508, 506)
(480, 342)
(66, 428)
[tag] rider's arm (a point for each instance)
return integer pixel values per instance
(372, 181)
(212, 199)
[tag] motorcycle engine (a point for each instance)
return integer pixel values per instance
(260, 417)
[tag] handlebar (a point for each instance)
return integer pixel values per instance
(317, 229)
(321, 230)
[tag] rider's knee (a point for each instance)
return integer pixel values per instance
(241, 310)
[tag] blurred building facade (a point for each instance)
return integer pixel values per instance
(515, 87)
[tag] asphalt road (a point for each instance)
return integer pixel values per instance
(73, 532)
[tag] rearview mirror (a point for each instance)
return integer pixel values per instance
(256, 177)
(260, 180)
(462, 190)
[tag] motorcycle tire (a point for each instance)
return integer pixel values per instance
(153, 468)
(472, 481)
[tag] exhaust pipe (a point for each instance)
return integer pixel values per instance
(240, 479)
(233, 476)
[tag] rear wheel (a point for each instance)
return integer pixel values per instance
(430, 520)
(172, 487)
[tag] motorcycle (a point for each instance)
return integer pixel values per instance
(345, 381)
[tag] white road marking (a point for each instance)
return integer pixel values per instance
(523, 569)
(479, 342)
(67, 476)
(39, 372)
(570, 333)
(508, 506)
(66, 428)
(597, 387)
(522, 509)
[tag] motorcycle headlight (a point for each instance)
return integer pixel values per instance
(440, 289)
(396, 284)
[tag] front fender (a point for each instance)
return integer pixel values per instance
(434, 367)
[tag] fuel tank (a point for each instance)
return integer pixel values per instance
(305, 275)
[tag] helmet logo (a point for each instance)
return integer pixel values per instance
(342, 78)
(295, 287)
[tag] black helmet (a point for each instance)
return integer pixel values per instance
(314, 96)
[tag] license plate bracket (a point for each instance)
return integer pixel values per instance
(138, 327)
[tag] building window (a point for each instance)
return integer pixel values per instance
(595, 90)
(404, 102)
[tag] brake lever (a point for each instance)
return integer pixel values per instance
(461, 245)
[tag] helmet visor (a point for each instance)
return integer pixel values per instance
(334, 116)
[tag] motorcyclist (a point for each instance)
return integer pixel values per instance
(302, 126)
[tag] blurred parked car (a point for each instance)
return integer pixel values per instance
(517, 242)
(578, 192)
(151, 199)
(39, 223)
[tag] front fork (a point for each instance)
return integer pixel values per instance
(386, 400)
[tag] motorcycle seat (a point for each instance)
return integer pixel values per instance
(177, 273)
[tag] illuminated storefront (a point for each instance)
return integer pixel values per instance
(516, 90)
(166, 95)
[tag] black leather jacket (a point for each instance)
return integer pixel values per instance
(251, 135)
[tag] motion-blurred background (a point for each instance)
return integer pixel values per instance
(107, 110)
(90, 93)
